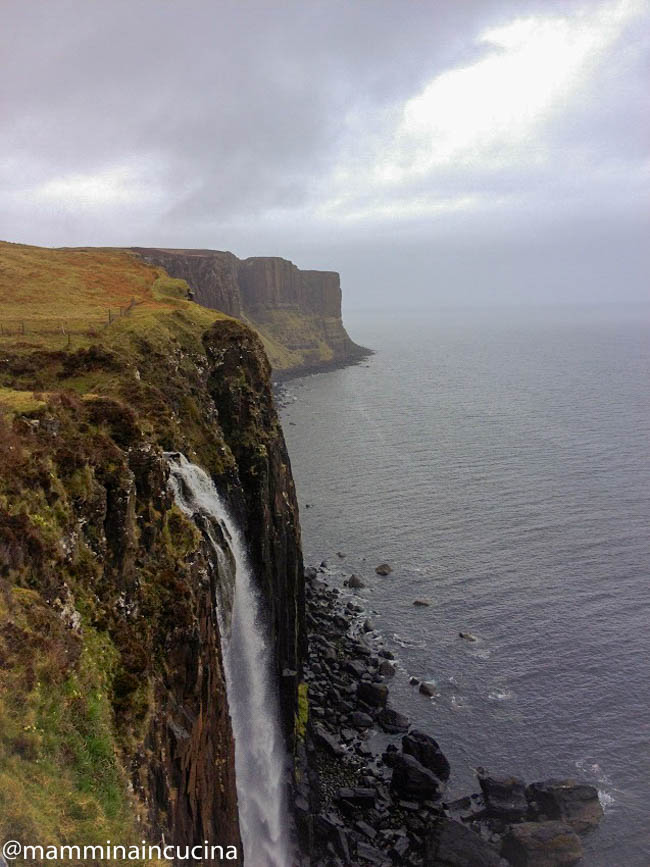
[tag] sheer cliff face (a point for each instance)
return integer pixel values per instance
(297, 313)
(109, 642)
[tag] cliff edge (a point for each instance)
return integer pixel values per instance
(114, 712)
(297, 313)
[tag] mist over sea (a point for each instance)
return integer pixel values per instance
(500, 462)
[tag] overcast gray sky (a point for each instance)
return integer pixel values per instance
(430, 150)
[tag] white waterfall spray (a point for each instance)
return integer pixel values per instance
(260, 759)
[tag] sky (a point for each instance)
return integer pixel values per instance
(431, 151)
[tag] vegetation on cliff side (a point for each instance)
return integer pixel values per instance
(102, 580)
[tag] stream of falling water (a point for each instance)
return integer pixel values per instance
(260, 759)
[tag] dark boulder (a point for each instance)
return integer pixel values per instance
(355, 582)
(411, 780)
(328, 829)
(577, 804)
(541, 844)
(370, 855)
(360, 796)
(360, 720)
(427, 752)
(374, 694)
(326, 741)
(427, 687)
(505, 797)
(392, 721)
(451, 844)
(383, 569)
(356, 669)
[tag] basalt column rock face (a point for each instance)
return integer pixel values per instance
(211, 275)
(263, 495)
(297, 313)
(270, 283)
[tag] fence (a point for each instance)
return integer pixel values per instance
(88, 326)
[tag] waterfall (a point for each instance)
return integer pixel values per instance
(260, 759)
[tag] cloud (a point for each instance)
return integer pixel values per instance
(494, 116)
(328, 127)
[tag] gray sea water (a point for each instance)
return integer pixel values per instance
(500, 462)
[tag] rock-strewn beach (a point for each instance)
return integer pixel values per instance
(371, 788)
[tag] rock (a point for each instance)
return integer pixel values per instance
(310, 573)
(392, 721)
(365, 829)
(368, 626)
(374, 694)
(327, 828)
(323, 564)
(505, 797)
(427, 752)
(341, 554)
(467, 636)
(577, 804)
(399, 849)
(360, 720)
(413, 681)
(390, 756)
(410, 779)
(421, 603)
(327, 741)
(386, 654)
(428, 687)
(451, 844)
(355, 582)
(356, 669)
(383, 569)
(541, 844)
(386, 668)
(371, 855)
(360, 796)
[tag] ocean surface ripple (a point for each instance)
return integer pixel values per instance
(501, 464)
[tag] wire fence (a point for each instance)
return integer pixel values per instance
(44, 327)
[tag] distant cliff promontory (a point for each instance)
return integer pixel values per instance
(297, 313)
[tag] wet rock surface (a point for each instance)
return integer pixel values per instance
(542, 844)
(361, 804)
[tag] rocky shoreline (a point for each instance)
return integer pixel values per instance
(282, 377)
(356, 804)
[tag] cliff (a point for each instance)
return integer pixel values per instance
(297, 313)
(114, 720)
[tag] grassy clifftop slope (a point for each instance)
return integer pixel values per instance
(113, 709)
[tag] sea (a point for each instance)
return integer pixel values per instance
(499, 461)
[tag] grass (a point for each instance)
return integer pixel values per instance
(69, 298)
(292, 339)
(60, 780)
(98, 386)
(16, 402)
(302, 716)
